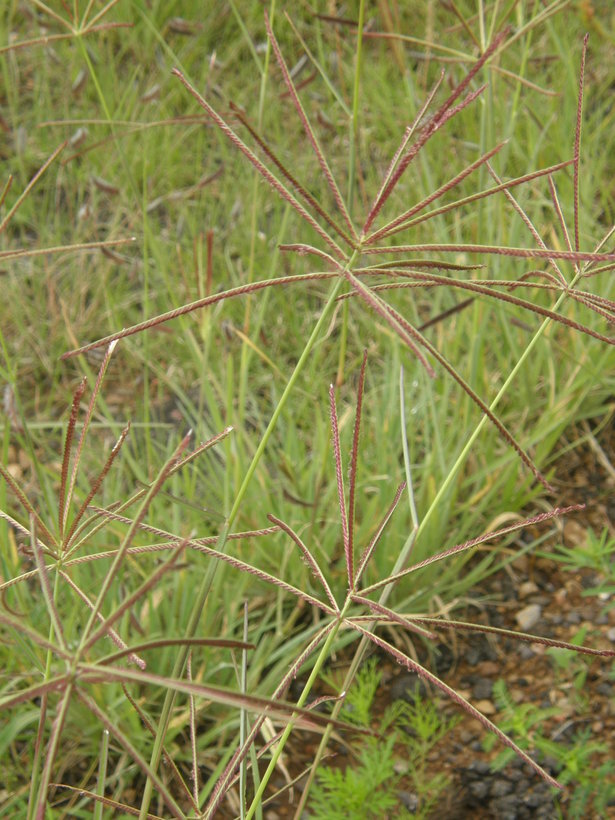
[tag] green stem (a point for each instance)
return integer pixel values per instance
(245, 348)
(206, 584)
(364, 642)
(52, 749)
(469, 444)
(413, 537)
(37, 756)
(279, 748)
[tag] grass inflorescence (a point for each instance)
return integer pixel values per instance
(423, 278)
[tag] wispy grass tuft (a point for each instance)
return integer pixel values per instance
(137, 595)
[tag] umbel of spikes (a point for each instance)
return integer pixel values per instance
(414, 264)
(359, 612)
(77, 663)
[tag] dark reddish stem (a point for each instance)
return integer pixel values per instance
(340, 482)
(68, 445)
(352, 472)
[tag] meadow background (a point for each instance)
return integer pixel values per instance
(142, 162)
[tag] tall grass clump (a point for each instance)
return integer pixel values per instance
(476, 285)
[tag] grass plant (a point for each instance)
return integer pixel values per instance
(476, 285)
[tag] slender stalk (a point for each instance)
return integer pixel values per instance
(352, 160)
(102, 774)
(322, 657)
(52, 749)
(207, 582)
(245, 349)
(477, 430)
(364, 642)
(243, 716)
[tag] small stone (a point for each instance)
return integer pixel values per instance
(506, 808)
(501, 787)
(482, 688)
(409, 800)
(527, 588)
(611, 634)
(473, 656)
(526, 652)
(486, 707)
(479, 767)
(466, 737)
(406, 687)
(479, 789)
(528, 617)
(401, 767)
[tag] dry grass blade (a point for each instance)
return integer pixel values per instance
(79, 246)
(27, 190)
(6, 189)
